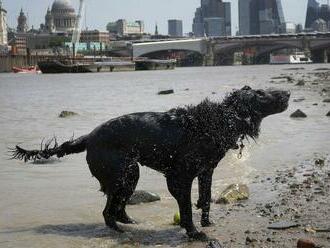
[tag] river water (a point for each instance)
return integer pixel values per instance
(58, 204)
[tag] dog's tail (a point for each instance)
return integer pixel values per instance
(49, 149)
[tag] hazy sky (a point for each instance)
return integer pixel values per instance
(99, 12)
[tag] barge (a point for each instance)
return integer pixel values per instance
(76, 66)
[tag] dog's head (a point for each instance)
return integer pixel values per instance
(258, 103)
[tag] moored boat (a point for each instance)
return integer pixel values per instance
(30, 69)
(297, 58)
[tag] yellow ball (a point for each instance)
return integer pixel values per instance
(176, 219)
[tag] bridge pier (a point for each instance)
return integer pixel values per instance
(208, 59)
(320, 56)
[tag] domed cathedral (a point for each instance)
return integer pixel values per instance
(61, 17)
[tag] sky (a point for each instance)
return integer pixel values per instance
(100, 12)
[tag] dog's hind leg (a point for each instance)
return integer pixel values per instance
(181, 191)
(204, 201)
(130, 180)
(109, 214)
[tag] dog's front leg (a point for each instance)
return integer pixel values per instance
(181, 190)
(204, 201)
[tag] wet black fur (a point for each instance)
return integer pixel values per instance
(183, 143)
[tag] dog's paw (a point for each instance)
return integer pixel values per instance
(206, 223)
(200, 236)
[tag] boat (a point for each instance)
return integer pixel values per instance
(30, 69)
(88, 66)
(155, 64)
(66, 66)
(297, 58)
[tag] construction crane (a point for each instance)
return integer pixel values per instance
(77, 28)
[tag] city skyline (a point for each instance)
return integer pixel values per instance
(157, 11)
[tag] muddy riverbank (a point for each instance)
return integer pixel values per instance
(58, 204)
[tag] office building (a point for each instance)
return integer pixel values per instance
(260, 16)
(213, 18)
(175, 28)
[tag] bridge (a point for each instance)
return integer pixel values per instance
(213, 48)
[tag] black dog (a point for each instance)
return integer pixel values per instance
(183, 143)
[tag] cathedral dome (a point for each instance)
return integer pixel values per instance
(62, 6)
(64, 16)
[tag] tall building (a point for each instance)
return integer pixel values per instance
(3, 26)
(22, 26)
(260, 16)
(315, 16)
(175, 28)
(312, 12)
(244, 16)
(213, 18)
(198, 23)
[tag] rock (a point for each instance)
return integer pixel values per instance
(328, 114)
(305, 243)
(300, 83)
(166, 92)
(326, 100)
(140, 196)
(176, 218)
(288, 78)
(299, 99)
(282, 225)
(319, 162)
(65, 114)
(298, 114)
(214, 244)
(234, 193)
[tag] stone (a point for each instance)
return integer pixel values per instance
(141, 196)
(305, 243)
(214, 244)
(327, 100)
(282, 225)
(66, 114)
(166, 92)
(328, 114)
(298, 114)
(300, 83)
(299, 99)
(234, 193)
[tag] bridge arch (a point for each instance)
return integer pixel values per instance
(195, 45)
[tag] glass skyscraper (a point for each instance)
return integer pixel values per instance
(213, 18)
(260, 16)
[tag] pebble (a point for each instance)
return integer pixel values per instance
(298, 114)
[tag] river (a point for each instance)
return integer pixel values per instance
(59, 205)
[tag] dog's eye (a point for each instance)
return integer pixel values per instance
(260, 93)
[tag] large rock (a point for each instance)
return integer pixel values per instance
(328, 114)
(305, 243)
(141, 196)
(234, 193)
(65, 114)
(298, 114)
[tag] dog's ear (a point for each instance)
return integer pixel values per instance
(246, 88)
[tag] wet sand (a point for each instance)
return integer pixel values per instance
(57, 205)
